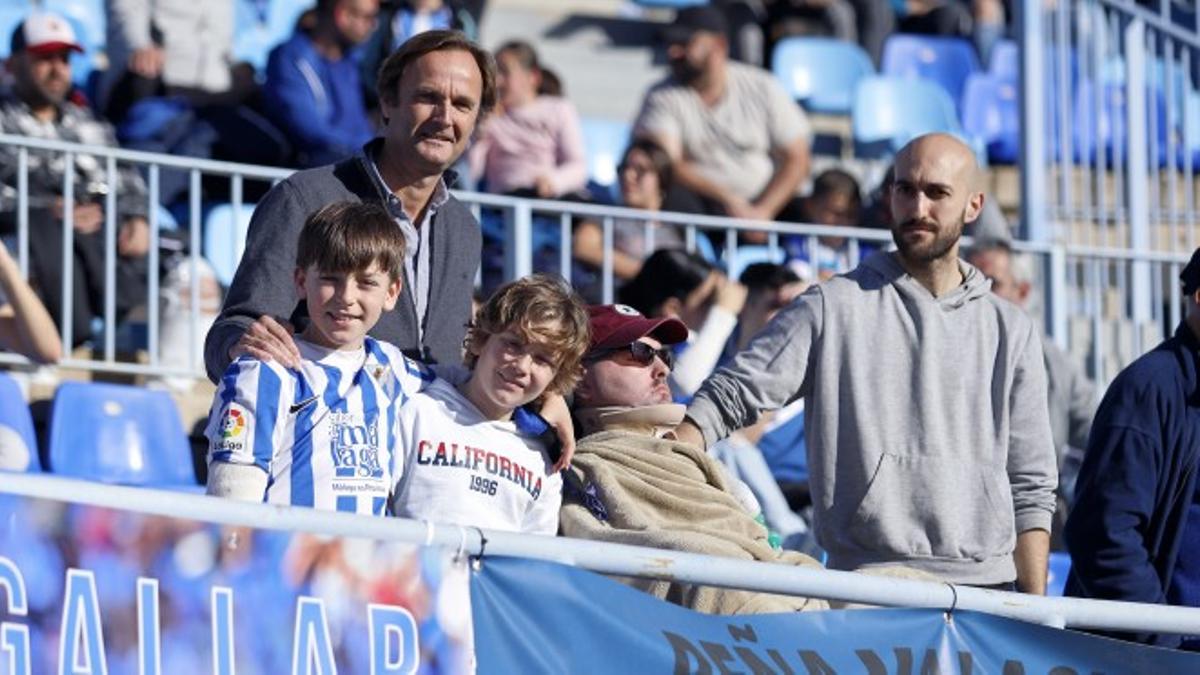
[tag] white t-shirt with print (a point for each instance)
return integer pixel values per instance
(452, 465)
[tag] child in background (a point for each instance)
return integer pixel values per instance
(469, 454)
(321, 435)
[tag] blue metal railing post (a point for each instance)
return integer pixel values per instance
(1034, 226)
(1137, 179)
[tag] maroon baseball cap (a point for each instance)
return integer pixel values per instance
(620, 325)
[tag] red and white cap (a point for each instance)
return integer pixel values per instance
(44, 33)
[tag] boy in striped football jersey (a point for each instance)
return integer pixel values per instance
(321, 435)
(469, 454)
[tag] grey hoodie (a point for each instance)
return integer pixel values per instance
(928, 436)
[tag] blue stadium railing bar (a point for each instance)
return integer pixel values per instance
(1075, 280)
(622, 560)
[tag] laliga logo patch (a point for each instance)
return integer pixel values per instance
(234, 424)
(626, 310)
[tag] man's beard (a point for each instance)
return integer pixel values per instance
(684, 72)
(942, 244)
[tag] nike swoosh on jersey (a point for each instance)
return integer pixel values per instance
(297, 407)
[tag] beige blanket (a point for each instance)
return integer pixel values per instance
(671, 495)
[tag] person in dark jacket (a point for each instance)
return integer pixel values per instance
(433, 92)
(1134, 532)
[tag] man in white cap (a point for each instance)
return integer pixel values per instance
(43, 105)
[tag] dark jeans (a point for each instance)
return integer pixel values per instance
(682, 200)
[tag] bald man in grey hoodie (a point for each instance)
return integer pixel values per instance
(929, 439)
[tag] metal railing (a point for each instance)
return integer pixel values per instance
(623, 560)
(1104, 305)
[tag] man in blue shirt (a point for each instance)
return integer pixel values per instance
(1134, 531)
(313, 91)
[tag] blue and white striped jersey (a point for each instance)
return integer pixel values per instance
(323, 433)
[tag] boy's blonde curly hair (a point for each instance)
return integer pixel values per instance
(540, 308)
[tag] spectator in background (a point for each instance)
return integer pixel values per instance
(1134, 534)
(925, 397)
(398, 21)
(835, 200)
(25, 326)
(643, 174)
(676, 284)
(39, 107)
(312, 90)
(533, 145)
(738, 143)
(1072, 396)
(184, 47)
(433, 91)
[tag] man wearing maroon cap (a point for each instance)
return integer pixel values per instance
(40, 107)
(631, 482)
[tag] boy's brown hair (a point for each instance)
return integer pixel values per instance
(540, 308)
(349, 236)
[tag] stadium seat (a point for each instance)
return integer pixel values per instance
(890, 111)
(749, 255)
(1104, 129)
(16, 429)
(1060, 568)
(225, 238)
(821, 72)
(604, 142)
(991, 114)
(119, 434)
(947, 61)
(1005, 62)
(263, 25)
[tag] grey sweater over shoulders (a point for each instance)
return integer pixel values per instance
(263, 284)
(926, 419)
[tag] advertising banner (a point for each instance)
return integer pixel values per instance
(95, 590)
(533, 616)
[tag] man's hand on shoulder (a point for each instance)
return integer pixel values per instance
(268, 340)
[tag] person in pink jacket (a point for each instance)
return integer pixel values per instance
(533, 145)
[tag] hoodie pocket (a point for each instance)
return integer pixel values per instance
(933, 507)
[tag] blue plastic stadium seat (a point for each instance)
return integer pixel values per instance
(821, 72)
(1060, 568)
(1005, 62)
(890, 111)
(749, 255)
(948, 61)
(119, 434)
(604, 143)
(991, 114)
(262, 26)
(1104, 129)
(225, 238)
(16, 429)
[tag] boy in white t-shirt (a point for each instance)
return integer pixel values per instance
(321, 435)
(469, 454)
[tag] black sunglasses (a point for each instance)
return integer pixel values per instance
(642, 353)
